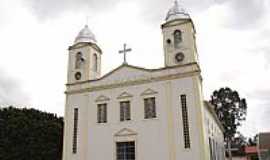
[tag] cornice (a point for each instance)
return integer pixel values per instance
(83, 44)
(180, 22)
(135, 82)
(210, 108)
(135, 67)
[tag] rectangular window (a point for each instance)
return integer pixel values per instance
(149, 108)
(210, 148)
(125, 150)
(75, 130)
(102, 113)
(124, 111)
(185, 121)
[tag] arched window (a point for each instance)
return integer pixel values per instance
(79, 60)
(95, 61)
(177, 38)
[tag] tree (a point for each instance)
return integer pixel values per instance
(238, 144)
(231, 111)
(253, 141)
(30, 134)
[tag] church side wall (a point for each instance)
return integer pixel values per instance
(79, 101)
(189, 87)
(214, 132)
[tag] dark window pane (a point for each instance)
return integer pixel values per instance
(102, 113)
(149, 108)
(125, 150)
(75, 130)
(124, 110)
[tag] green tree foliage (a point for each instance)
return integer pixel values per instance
(230, 109)
(239, 141)
(28, 134)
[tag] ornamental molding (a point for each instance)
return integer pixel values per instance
(124, 95)
(102, 98)
(125, 132)
(136, 82)
(148, 92)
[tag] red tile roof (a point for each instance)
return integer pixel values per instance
(251, 149)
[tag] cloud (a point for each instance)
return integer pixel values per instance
(245, 14)
(152, 9)
(238, 14)
(261, 96)
(11, 91)
(45, 9)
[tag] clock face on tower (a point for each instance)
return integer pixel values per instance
(78, 75)
(179, 57)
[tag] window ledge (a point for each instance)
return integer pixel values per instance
(102, 124)
(151, 119)
(126, 121)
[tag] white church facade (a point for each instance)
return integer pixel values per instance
(133, 113)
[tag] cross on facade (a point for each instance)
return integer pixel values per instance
(124, 51)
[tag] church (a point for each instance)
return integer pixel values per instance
(134, 113)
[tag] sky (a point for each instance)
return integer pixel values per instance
(233, 38)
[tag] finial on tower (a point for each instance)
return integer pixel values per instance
(87, 20)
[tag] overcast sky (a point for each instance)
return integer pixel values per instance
(233, 38)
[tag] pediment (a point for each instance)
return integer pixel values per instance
(125, 73)
(149, 92)
(125, 132)
(102, 98)
(124, 95)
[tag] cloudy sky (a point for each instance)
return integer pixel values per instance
(233, 38)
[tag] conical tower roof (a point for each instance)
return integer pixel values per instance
(85, 35)
(177, 12)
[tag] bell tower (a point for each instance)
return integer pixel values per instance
(84, 58)
(179, 37)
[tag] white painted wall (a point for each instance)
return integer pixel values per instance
(214, 131)
(160, 138)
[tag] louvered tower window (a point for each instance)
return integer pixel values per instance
(75, 131)
(185, 121)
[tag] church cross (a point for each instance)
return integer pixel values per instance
(124, 51)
